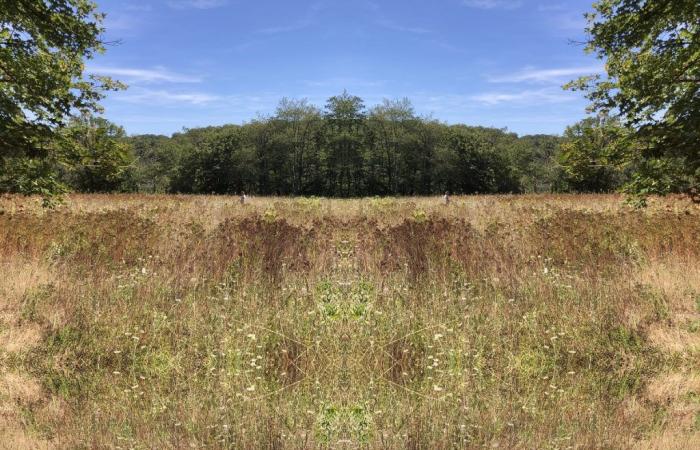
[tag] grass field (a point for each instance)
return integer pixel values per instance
(552, 322)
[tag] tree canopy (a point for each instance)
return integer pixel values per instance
(651, 50)
(43, 49)
(346, 149)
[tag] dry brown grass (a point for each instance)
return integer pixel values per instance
(195, 322)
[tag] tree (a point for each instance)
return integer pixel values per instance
(99, 158)
(157, 160)
(297, 126)
(391, 128)
(344, 138)
(535, 159)
(651, 50)
(43, 46)
(221, 161)
(590, 154)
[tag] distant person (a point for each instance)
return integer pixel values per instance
(244, 198)
(446, 198)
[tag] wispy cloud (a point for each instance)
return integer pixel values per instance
(563, 20)
(119, 22)
(526, 96)
(165, 97)
(391, 25)
(138, 7)
(309, 19)
(157, 74)
(552, 7)
(286, 28)
(570, 22)
(197, 4)
(531, 75)
(344, 83)
(493, 4)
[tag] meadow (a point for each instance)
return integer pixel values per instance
(534, 321)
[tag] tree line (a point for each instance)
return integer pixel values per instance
(341, 150)
(344, 150)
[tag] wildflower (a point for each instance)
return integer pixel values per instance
(437, 388)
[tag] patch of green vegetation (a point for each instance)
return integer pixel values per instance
(420, 216)
(34, 300)
(693, 326)
(270, 215)
(657, 301)
(360, 298)
(327, 425)
(330, 298)
(34, 426)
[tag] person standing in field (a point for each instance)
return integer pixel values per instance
(244, 198)
(446, 198)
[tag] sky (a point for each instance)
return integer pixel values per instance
(191, 63)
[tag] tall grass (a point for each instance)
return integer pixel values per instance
(197, 322)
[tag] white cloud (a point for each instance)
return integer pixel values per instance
(527, 96)
(344, 83)
(390, 25)
(157, 74)
(139, 8)
(552, 7)
(197, 4)
(308, 19)
(119, 22)
(164, 97)
(493, 4)
(530, 74)
(570, 22)
(286, 28)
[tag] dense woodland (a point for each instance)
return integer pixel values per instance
(342, 150)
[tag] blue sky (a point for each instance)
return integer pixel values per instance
(192, 63)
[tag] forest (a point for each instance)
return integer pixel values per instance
(341, 150)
